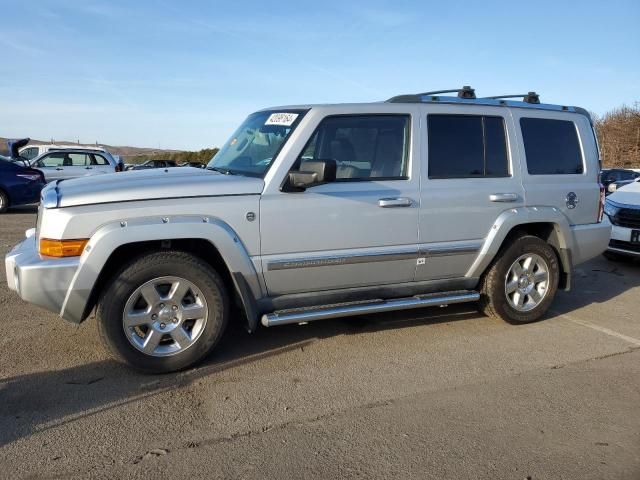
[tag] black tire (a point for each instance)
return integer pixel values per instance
(4, 201)
(615, 257)
(112, 303)
(493, 297)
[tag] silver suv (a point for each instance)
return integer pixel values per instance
(67, 163)
(321, 211)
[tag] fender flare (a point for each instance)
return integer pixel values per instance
(116, 234)
(561, 237)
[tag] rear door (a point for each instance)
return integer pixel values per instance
(561, 165)
(471, 175)
(100, 164)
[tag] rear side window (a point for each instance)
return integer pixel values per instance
(98, 160)
(467, 146)
(551, 146)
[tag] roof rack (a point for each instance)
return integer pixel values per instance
(529, 97)
(465, 92)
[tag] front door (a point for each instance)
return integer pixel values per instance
(360, 230)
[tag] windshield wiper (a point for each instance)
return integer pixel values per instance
(224, 171)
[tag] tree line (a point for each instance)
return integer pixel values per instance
(619, 136)
(202, 156)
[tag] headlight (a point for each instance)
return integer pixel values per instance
(610, 209)
(612, 187)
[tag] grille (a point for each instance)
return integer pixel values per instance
(628, 218)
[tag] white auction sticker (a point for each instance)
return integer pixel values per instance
(284, 119)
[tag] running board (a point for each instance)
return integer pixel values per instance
(323, 312)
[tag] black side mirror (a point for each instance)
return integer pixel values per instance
(313, 173)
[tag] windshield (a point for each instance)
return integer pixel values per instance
(253, 146)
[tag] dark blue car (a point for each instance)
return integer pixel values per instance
(19, 185)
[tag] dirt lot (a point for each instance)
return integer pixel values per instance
(438, 393)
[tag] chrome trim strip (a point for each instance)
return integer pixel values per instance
(329, 261)
(359, 308)
(444, 251)
(334, 260)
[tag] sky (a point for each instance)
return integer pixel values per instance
(183, 75)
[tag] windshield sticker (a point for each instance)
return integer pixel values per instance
(284, 119)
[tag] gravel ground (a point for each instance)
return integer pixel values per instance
(436, 393)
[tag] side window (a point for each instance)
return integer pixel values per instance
(467, 146)
(98, 160)
(52, 160)
(363, 146)
(77, 160)
(551, 146)
(29, 153)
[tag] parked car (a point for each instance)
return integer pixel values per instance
(29, 152)
(154, 164)
(322, 211)
(614, 178)
(18, 185)
(623, 209)
(63, 164)
(192, 164)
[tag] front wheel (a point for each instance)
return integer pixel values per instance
(522, 282)
(4, 202)
(163, 312)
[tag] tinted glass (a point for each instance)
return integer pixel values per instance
(363, 146)
(551, 146)
(98, 160)
(462, 146)
(77, 160)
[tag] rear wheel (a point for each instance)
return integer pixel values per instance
(522, 282)
(4, 202)
(164, 312)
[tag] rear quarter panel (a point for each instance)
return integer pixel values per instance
(552, 190)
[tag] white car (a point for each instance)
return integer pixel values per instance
(29, 152)
(623, 209)
(64, 164)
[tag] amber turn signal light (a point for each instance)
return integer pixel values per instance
(62, 248)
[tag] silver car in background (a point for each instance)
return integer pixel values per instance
(67, 163)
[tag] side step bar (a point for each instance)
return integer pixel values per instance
(323, 312)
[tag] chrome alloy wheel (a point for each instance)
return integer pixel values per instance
(165, 316)
(527, 282)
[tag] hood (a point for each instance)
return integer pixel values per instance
(15, 145)
(153, 184)
(627, 195)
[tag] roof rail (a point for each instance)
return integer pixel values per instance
(465, 92)
(529, 97)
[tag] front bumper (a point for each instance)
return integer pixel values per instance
(43, 281)
(621, 242)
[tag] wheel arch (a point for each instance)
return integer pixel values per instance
(546, 223)
(114, 246)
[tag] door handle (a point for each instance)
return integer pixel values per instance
(394, 202)
(503, 197)
(88, 168)
(59, 168)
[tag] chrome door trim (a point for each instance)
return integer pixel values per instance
(409, 254)
(334, 260)
(427, 250)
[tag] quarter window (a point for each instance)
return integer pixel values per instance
(467, 146)
(364, 146)
(98, 160)
(551, 146)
